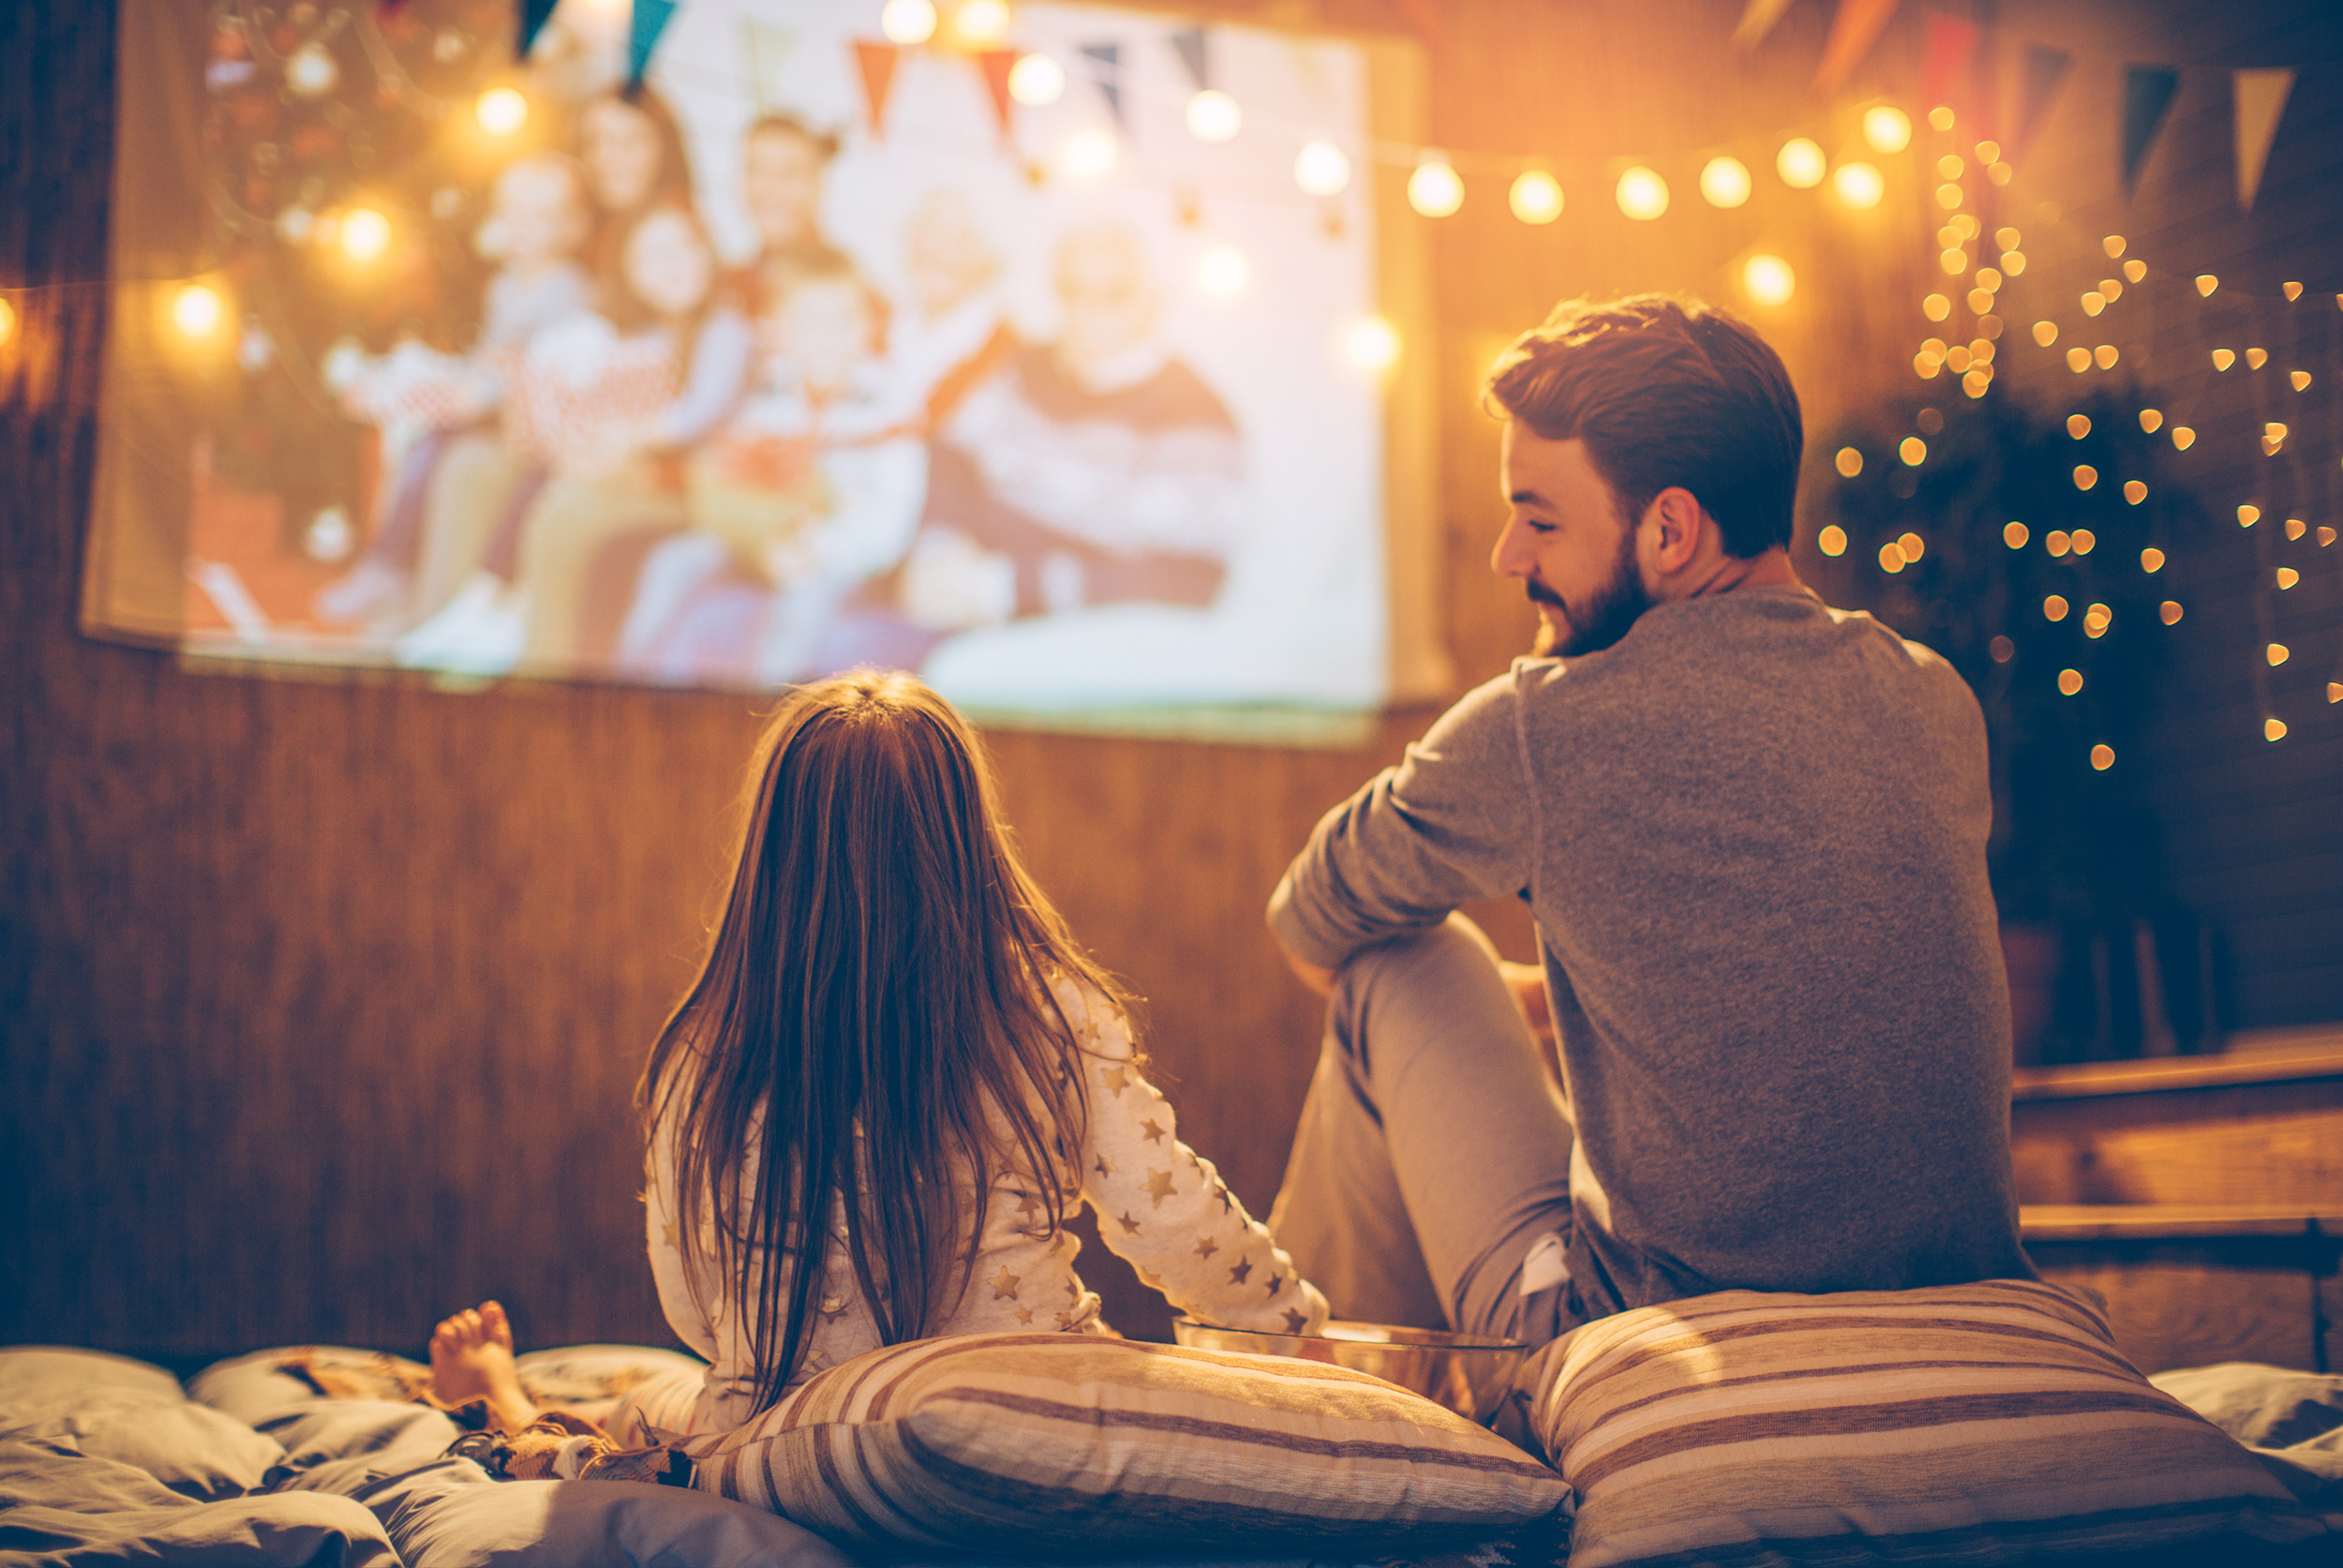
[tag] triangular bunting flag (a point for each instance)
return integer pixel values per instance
(1757, 20)
(2147, 99)
(650, 20)
(2046, 71)
(1946, 51)
(2260, 104)
(534, 15)
(1853, 30)
(1195, 54)
(996, 64)
(877, 64)
(1106, 70)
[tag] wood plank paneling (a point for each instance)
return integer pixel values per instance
(323, 1001)
(2176, 1305)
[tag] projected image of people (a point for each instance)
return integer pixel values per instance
(812, 350)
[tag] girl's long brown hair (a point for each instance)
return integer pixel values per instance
(882, 960)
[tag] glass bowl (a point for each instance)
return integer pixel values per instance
(1467, 1374)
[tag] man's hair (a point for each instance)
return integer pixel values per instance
(1665, 391)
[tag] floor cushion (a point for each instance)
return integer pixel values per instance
(113, 1408)
(1981, 1422)
(1059, 1441)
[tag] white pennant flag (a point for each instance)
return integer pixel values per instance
(2260, 97)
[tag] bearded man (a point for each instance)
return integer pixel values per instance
(1752, 830)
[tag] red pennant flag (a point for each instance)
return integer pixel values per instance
(877, 61)
(996, 64)
(1946, 53)
(1853, 30)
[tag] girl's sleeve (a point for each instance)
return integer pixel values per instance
(1163, 1208)
(669, 1269)
(719, 375)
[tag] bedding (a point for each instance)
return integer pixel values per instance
(110, 1407)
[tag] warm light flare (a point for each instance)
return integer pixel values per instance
(1035, 80)
(1372, 343)
(1859, 184)
(1212, 116)
(500, 111)
(1800, 163)
(1321, 169)
(1642, 194)
(908, 22)
(1769, 279)
(1434, 189)
(1887, 129)
(196, 310)
(1724, 181)
(1536, 197)
(1089, 153)
(1223, 270)
(980, 21)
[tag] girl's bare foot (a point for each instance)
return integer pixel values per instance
(472, 1358)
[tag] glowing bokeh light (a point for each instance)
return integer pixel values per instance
(1891, 559)
(908, 22)
(1800, 163)
(1936, 307)
(980, 21)
(2054, 608)
(500, 111)
(2102, 756)
(1941, 117)
(1887, 129)
(1089, 153)
(196, 310)
(2170, 612)
(1724, 181)
(1769, 279)
(2014, 534)
(1434, 189)
(8, 319)
(1037, 80)
(2183, 438)
(1832, 541)
(2078, 425)
(1914, 451)
(2151, 560)
(1372, 343)
(1642, 194)
(1536, 197)
(1212, 116)
(2135, 491)
(2069, 682)
(1223, 270)
(2151, 420)
(1321, 169)
(1849, 462)
(2086, 476)
(2206, 283)
(2274, 730)
(1859, 184)
(2288, 577)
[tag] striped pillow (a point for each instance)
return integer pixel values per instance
(1969, 1422)
(1027, 1441)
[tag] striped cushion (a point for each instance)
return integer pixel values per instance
(1984, 1422)
(1025, 1441)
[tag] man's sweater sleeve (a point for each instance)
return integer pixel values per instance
(1454, 821)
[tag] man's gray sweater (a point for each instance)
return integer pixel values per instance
(1753, 834)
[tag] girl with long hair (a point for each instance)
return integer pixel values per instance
(894, 1078)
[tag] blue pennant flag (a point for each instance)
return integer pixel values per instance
(650, 20)
(1195, 54)
(534, 15)
(1106, 71)
(2147, 99)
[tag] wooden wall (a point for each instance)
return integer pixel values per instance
(324, 1000)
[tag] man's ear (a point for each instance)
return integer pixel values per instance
(1680, 519)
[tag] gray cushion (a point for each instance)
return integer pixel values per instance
(113, 1408)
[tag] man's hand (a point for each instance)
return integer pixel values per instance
(1526, 981)
(1319, 979)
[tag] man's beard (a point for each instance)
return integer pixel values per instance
(1600, 620)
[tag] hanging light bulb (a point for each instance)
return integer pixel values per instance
(908, 22)
(1321, 169)
(981, 22)
(1223, 270)
(500, 111)
(1536, 197)
(196, 310)
(1089, 153)
(1372, 343)
(1037, 80)
(1800, 163)
(1887, 129)
(1212, 116)
(1859, 184)
(1434, 189)
(1769, 280)
(1642, 194)
(1724, 181)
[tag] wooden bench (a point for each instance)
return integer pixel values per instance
(2203, 1196)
